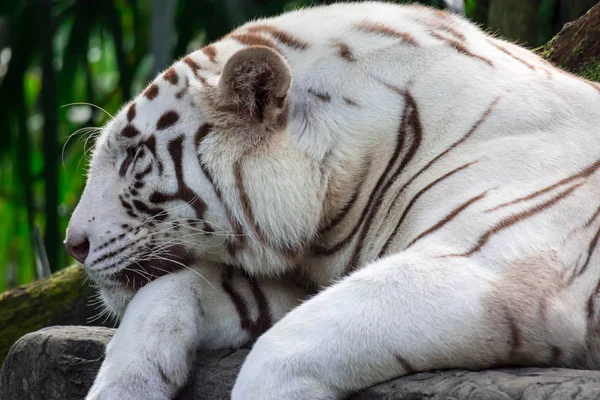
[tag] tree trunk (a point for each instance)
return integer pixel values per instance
(577, 46)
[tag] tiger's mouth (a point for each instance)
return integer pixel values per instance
(138, 274)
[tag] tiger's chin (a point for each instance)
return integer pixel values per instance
(116, 299)
(119, 288)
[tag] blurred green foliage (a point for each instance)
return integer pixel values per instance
(54, 53)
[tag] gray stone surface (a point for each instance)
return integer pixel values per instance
(61, 362)
(53, 363)
(499, 384)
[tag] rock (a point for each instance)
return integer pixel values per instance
(53, 363)
(214, 375)
(59, 363)
(61, 299)
(496, 384)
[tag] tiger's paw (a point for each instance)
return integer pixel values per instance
(128, 388)
(124, 375)
(150, 355)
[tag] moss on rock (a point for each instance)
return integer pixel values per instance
(57, 300)
(591, 70)
(576, 48)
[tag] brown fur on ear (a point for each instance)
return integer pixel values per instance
(254, 84)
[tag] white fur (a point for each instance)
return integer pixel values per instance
(518, 299)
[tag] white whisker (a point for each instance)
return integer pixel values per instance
(92, 130)
(82, 103)
(182, 265)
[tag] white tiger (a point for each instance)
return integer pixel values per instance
(389, 187)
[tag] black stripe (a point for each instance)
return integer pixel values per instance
(414, 200)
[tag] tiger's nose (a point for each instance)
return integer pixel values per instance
(78, 246)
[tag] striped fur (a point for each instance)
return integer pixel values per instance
(439, 188)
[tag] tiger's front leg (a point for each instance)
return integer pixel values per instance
(170, 318)
(402, 314)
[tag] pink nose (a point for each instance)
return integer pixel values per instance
(78, 246)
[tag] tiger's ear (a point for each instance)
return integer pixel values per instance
(255, 82)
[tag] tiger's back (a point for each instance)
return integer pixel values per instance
(511, 123)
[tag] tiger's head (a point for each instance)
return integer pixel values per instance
(200, 166)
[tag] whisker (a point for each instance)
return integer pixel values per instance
(222, 231)
(81, 103)
(167, 243)
(176, 209)
(98, 316)
(85, 155)
(143, 273)
(108, 316)
(80, 130)
(184, 266)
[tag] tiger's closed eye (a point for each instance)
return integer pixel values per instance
(131, 152)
